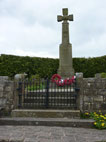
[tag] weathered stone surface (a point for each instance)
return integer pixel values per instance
(55, 134)
(98, 98)
(88, 98)
(65, 62)
(99, 85)
(8, 88)
(104, 83)
(3, 102)
(65, 50)
(98, 76)
(93, 94)
(46, 113)
(102, 92)
(1, 87)
(3, 79)
(16, 139)
(1, 94)
(6, 94)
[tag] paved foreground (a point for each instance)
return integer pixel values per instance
(50, 134)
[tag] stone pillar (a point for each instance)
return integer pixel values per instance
(80, 97)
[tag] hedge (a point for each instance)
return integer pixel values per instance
(11, 65)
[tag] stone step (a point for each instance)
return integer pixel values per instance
(45, 113)
(60, 122)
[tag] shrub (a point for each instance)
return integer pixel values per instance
(100, 119)
(46, 67)
(103, 75)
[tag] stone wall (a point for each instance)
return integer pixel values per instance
(92, 94)
(91, 97)
(6, 94)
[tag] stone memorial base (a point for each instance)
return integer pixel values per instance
(65, 63)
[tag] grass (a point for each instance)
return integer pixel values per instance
(36, 87)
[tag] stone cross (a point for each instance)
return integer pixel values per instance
(65, 25)
(65, 50)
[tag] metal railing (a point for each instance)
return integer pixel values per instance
(46, 94)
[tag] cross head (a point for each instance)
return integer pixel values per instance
(65, 16)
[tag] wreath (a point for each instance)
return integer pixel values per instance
(60, 82)
(55, 77)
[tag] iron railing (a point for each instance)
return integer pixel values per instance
(46, 94)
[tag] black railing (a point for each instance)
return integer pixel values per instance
(46, 94)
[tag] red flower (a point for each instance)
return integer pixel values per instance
(61, 82)
(55, 76)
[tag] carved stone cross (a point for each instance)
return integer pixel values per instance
(65, 25)
(65, 16)
(65, 50)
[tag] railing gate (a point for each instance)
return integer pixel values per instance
(45, 94)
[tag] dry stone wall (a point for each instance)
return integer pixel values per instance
(6, 94)
(92, 94)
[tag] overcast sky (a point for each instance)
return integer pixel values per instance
(30, 27)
